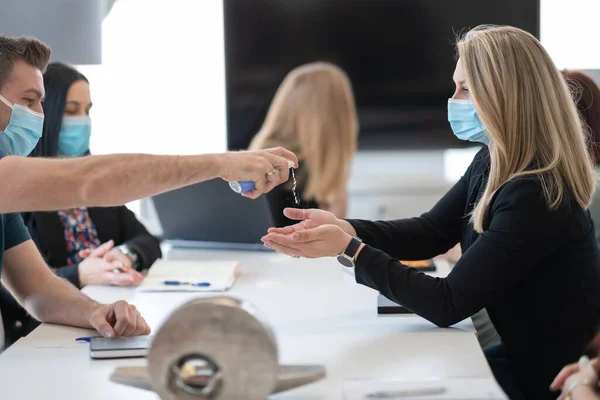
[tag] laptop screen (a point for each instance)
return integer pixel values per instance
(211, 212)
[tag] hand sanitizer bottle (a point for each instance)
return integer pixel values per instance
(247, 186)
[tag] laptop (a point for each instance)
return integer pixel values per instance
(210, 215)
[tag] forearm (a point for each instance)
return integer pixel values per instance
(406, 239)
(96, 180)
(426, 296)
(59, 302)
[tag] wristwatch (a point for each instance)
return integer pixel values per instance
(131, 254)
(347, 257)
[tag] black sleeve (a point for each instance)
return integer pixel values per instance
(427, 236)
(69, 272)
(138, 239)
(511, 246)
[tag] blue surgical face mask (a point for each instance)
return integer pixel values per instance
(23, 130)
(465, 122)
(74, 136)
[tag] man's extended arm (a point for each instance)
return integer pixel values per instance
(35, 184)
(52, 299)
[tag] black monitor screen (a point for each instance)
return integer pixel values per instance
(399, 55)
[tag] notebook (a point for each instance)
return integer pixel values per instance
(190, 276)
(120, 347)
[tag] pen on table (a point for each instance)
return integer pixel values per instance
(87, 338)
(396, 394)
(180, 283)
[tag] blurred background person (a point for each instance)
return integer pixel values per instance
(314, 115)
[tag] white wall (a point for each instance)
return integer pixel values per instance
(571, 33)
(161, 86)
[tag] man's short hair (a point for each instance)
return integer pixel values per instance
(27, 49)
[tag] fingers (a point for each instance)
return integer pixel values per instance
(127, 320)
(142, 327)
(253, 194)
(99, 322)
(297, 213)
(285, 250)
(85, 253)
(110, 266)
(279, 164)
(287, 230)
(284, 153)
(133, 320)
(562, 376)
(101, 250)
(116, 256)
(124, 278)
(123, 316)
(302, 236)
(308, 235)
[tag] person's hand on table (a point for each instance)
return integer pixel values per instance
(584, 372)
(118, 319)
(266, 168)
(103, 266)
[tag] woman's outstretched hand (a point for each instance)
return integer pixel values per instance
(310, 219)
(318, 234)
(322, 241)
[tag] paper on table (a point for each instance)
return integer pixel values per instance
(220, 274)
(454, 388)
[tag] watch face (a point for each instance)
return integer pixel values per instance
(345, 261)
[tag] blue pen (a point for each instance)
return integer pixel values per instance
(179, 283)
(87, 338)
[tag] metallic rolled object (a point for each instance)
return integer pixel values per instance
(216, 348)
(229, 337)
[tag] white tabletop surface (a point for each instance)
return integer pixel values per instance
(319, 315)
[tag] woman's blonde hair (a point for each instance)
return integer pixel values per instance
(526, 106)
(313, 114)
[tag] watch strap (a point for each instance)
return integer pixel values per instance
(353, 247)
(126, 250)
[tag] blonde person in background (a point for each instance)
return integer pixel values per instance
(313, 114)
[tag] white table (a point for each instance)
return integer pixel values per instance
(319, 315)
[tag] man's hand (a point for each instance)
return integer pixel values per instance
(266, 168)
(118, 319)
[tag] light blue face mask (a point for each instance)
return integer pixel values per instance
(23, 131)
(465, 122)
(74, 136)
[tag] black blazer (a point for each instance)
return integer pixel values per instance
(536, 271)
(47, 231)
(116, 223)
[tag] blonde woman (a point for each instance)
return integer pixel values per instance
(313, 114)
(520, 214)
